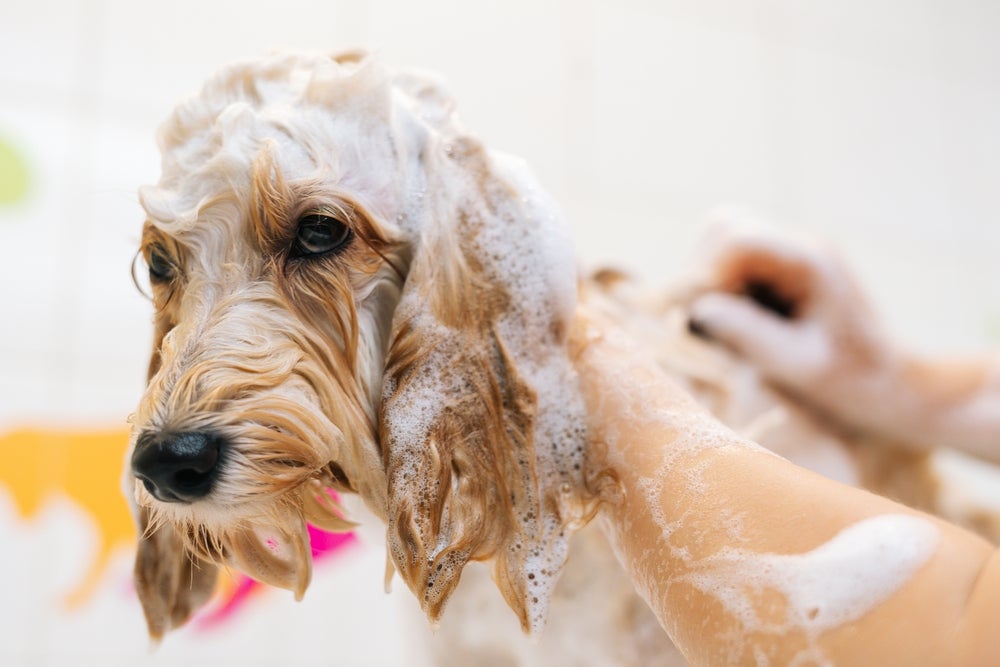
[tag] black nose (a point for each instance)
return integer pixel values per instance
(177, 467)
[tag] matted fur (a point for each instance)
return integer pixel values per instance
(423, 366)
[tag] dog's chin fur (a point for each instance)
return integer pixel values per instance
(422, 366)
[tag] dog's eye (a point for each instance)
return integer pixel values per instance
(319, 234)
(161, 268)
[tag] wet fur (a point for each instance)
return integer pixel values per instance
(311, 370)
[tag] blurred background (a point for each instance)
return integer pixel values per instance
(875, 123)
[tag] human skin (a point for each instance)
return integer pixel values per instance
(792, 308)
(748, 559)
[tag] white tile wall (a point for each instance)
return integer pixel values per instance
(876, 123)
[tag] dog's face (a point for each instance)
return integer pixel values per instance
(350, 294)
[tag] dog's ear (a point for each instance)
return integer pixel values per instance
(460, 410)
(172, 583)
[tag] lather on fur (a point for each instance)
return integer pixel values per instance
(415, 355)
(418, 360)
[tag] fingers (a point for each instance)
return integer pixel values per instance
(783, 349)
(781, 274)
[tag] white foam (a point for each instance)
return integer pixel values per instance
(523, 246)
(413, 417)
(532, 256)
(837, 582)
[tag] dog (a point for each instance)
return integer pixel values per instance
(351, 293)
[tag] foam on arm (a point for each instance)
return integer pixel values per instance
(747, 559)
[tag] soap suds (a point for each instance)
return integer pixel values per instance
(532, 256)
(837, 582)
(495, 399)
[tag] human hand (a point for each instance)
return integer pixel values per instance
(791, 308)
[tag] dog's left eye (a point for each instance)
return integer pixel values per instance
(161, 268)
(319, 234)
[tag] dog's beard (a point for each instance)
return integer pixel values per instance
(283, 453)
(265, 535)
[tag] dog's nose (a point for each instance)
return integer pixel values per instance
(177, 467)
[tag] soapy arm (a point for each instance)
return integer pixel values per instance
(747, 559)
(793, 310)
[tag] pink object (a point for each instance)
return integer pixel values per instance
(324, 545)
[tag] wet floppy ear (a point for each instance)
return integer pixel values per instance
(457, 429)
(172, 583)
(458, 416)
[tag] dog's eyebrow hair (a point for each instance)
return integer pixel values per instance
(150, 234)
(271, 201)
(275, 205)
(154, 237)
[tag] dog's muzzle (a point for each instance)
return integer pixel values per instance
(177, 467)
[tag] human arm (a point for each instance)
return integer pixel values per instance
(746, 558)
(793, 310)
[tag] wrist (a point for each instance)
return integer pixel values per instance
(933, 403)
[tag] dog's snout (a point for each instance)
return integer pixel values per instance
(177, 467)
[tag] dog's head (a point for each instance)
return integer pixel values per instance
(351, 294)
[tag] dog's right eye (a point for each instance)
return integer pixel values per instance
(161, 268)
(319, 234)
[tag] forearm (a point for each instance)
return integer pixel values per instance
(742, 555)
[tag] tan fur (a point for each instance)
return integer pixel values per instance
(478, 458)
(404, 367)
